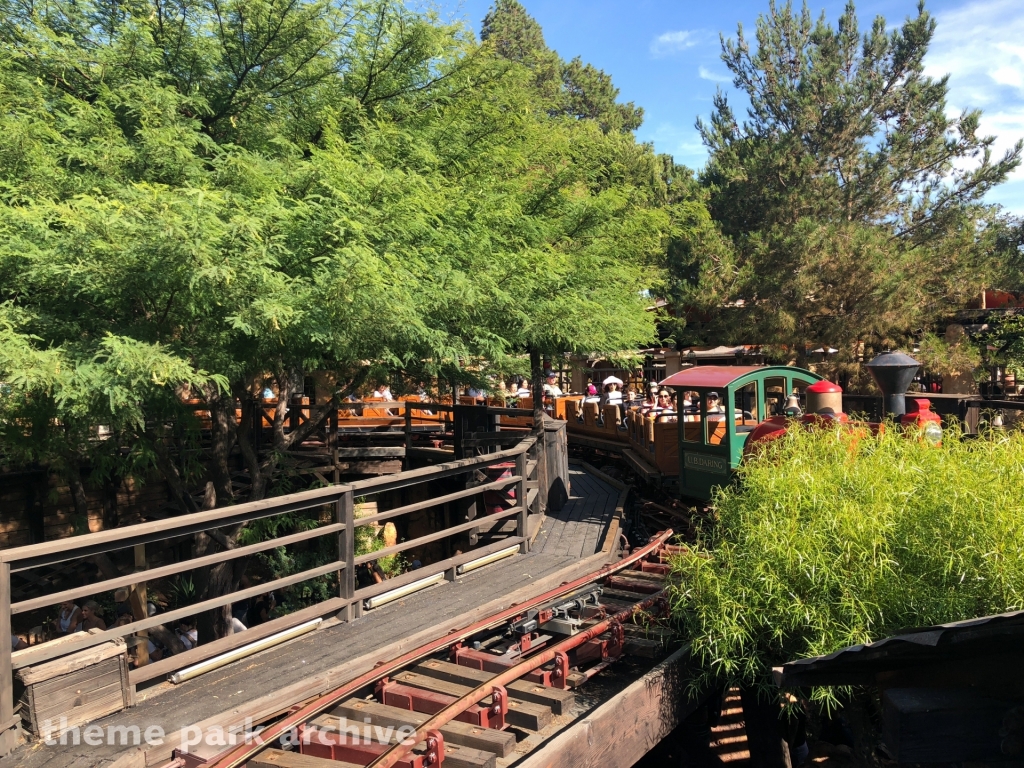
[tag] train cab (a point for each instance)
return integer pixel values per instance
(717, 408)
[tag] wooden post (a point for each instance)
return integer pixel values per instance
(522, 528)
(345, 514)
(408, 435)
(138, 600)
(8, 732)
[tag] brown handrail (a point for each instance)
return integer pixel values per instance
(342, 497)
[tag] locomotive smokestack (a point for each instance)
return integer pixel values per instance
(893, 372)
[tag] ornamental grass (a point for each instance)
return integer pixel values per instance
(836, 537)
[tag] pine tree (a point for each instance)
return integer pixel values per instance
(568, 89)
(847, 201)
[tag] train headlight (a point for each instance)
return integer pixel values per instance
(932, 433)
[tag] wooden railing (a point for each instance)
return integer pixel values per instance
(526, 456)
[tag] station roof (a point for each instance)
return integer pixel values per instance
(709, 375)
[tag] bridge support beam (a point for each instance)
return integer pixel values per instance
(624, 729)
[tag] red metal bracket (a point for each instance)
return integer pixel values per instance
(317, 742)
(416, 699)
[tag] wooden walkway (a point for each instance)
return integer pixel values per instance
(578, 528)
(565, 547)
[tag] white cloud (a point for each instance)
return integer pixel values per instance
(669, 43)
(683, 144)
(714, 77)
(979, 46)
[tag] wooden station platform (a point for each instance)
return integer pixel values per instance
(574, 541)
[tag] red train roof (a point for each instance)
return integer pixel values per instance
(709, 375)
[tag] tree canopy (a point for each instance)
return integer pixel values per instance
(199, 195)
(847, 205)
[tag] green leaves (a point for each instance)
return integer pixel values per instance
(199, 196)
(848, 202)
(839, 537)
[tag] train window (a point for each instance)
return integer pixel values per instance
(714, 424)
(745, 405)
(775, 396)
(689, 408)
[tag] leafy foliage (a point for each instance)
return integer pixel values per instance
(848, 203)
(197, 197)
(837, 537)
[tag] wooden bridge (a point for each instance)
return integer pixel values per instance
(555, 523)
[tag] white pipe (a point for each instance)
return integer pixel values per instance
(501, 554)
(408, 589)
(246, 650)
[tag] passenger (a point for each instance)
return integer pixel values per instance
(523, 389)
(591, 389)
(664, 404)
(651, 400)
(383, 391)
(68, 619)
(188, 634)
(368, 574)
(259, 612)
(551, 388)
(714, 406)
(92, 617)
(121, 606)
(612, 395)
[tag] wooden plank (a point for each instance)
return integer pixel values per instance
(45, 653)
(923, 725)
(522, 714)
(646, 470)
(455, 755)
(278, 758)
(439, 500)
(555, 699)
(278, 701)
(500, 743)
(72, 663)
(437, 536)
(621, 731)
(171, 664)
(604, 477)
(434, 568)
(8, 736)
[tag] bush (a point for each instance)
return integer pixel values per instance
(838, 537)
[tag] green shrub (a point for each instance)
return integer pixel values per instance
(833, 538)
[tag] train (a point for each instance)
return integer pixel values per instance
(698, 448)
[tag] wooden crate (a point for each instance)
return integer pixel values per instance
(80, 687)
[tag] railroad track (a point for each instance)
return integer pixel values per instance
(486, 696)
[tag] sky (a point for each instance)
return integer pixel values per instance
(664, 55)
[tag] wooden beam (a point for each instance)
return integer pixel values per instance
(278, 758)
(8, 734)
(621, 731)
(496, 742)
(557, 700)
(926, 725)
(280, 701)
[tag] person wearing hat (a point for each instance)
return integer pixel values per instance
(713, 405)
(551, 388)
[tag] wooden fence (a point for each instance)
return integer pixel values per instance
(526, 456)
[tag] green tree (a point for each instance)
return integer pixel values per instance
(571, 89)
(847, 202)
(196, 198)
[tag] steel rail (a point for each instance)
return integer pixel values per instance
(238, 756)
(392, 756)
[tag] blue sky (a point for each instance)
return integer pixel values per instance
(664, 55)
